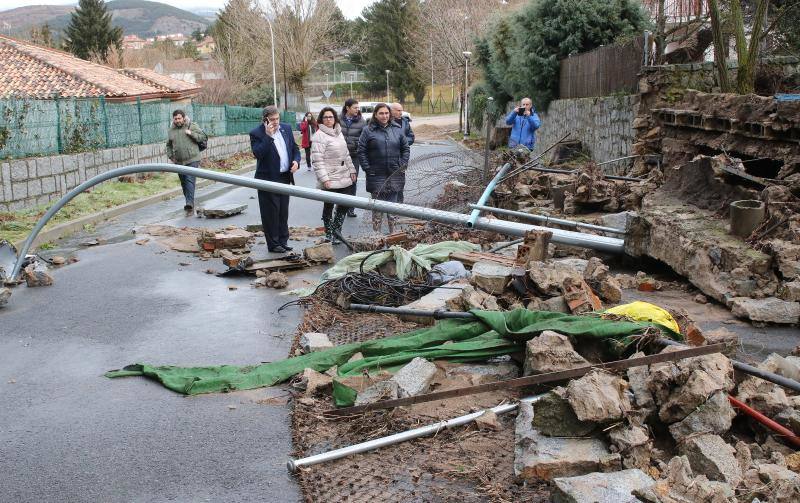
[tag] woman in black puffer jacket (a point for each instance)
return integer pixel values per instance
(383, 155)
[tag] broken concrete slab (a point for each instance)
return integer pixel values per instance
(314, 382)
(553, 416)
(311, 342)
(320, 254)
(555, 304)
(681, 486)
(637, 381)
(724, 336)
(599, 397)
(415, 377)
(491, 277)
(488, 421)
(538, 457)
(769, 310)
(435, 300)
(618, 220)
(551, 352)
(598, 277)
(382, 390)
(548, 277)
(790, 418)
(276, 280)
(710, 455)
(684, 399)
(228, 238)
(790, 291)
(5, 294)
(764, 396)
(36, 275)
(616, 487)
(222, 211)
(629, 436)
(714, 416)
(786, 366)
(485, 373)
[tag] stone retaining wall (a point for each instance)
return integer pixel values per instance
(25, 183)
(604, 125)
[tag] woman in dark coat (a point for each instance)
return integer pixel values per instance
(352, 125)
(383, 155)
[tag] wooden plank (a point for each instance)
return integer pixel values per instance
(531, 380)
(276, 265)
(470, 258)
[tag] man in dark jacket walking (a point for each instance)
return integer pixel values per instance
(405, 122)
(352, 124)
(383, 153)
(183, 148)
(277, 159)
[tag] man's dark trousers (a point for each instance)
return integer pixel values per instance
(274, 210)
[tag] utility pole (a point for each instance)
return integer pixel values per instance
(388, 98)
(430, 96)
(467, 54)
(285, 88)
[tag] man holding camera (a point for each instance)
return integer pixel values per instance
(277, 159)
(524, 122)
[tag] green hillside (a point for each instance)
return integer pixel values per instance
(136, 17)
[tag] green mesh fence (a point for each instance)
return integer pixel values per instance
(46, 127)
(210, 118)
(28, 126)
(240, 120)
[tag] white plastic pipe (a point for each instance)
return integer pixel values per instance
(294, 464)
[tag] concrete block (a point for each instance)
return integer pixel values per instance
(19, 190)
(57, 164)
(614, 487)
(5, 180)
(314, 341)
(19, 171)
(491, 277)
(434, 300)
(34, 188)
(70, 162)
(107, 157)
(415, 378)
(383, 390)
(770, 310)
(711, 456)
(537, 457)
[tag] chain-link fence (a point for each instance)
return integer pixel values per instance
(31, 127)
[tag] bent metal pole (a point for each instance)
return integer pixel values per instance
(473, 217)
(569, 238)
(294, 464)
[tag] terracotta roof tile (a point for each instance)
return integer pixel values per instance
(30, 70)
(163, 82)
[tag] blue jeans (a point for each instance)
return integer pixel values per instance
(188, 184)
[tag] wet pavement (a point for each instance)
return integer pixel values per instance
(67, 433)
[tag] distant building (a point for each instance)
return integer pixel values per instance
(31, 71)
(677, 11)
(207, 45)
(177, 38)
(191, 70)
(133, 42)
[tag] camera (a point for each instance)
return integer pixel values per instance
(521, 111)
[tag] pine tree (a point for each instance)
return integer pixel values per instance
(90, 34)
(387, 29)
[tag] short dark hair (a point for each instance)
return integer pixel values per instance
(269, 110)
(328, 109)
(179, 112)
(374, 119)
(349, 102)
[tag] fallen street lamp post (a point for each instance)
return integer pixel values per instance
(564, 237)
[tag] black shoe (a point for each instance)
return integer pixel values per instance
(278, 249)
(351, 213)
(188, 208)
(287, 248)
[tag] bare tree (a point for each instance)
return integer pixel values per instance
(243, 42)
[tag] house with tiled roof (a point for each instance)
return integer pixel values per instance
(32, 71)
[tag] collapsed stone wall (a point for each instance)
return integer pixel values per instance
(25, 183)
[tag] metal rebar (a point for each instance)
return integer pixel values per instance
(535, 160)
(294, 464)
(487, 192)
(547, 219)
(621, 159)
(740, 366)
(506, 245)
(569, 238)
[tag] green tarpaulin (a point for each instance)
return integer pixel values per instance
(494, 334)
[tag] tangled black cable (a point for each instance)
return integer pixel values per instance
(369, 287)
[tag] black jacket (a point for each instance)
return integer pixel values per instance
(268, 162)
(405, 123)
(351, 135)
(383, 153)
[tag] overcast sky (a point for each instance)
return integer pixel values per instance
(350, 8)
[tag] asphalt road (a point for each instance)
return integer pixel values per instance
(67, 433)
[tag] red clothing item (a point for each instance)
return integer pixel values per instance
(305, 134)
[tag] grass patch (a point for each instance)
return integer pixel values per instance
(17, 225)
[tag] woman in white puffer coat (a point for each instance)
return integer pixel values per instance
(334, 168)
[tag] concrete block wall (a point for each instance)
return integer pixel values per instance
(604, 125)
(35, 181)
